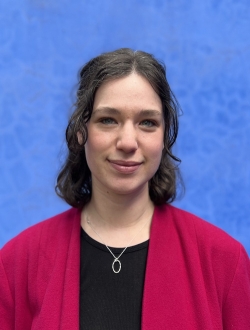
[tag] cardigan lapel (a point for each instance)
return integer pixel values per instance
(174, 292)
(70, 302)
(154, 291)
(60, 305)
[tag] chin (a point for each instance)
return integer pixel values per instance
(128, 189)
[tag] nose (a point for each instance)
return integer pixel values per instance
(127, 138)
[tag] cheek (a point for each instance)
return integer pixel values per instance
(90, 152)
(157, 153)
(157, 157)
(96, 145)
(156, 145)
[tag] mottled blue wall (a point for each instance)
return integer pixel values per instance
(206, 48)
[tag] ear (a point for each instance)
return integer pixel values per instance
(79, 138)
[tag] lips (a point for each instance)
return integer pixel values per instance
(126, 167)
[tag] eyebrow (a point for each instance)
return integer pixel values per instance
(113, 111)
(106, 110)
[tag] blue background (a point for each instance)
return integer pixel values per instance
(206, 48)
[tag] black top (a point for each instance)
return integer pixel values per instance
(108, 300)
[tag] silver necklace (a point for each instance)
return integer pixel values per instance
(116, 259)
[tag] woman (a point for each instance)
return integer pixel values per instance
(122, 257)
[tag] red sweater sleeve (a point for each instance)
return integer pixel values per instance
(39, 276)
(236, 309)
(6, 301)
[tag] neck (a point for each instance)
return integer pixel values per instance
(117, 218)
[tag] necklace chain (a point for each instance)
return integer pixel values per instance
(116, 259)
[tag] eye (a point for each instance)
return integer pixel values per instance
(148, 123)
(107, 121)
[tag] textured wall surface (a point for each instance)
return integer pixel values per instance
(206, 48)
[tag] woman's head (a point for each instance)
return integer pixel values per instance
(74, 181)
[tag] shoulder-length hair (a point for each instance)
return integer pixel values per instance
(74, 180)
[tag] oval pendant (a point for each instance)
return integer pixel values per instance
(113, 266)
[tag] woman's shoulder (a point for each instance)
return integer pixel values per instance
(44, 232)
(208, 238)
(218, 255)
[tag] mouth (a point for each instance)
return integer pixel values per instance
(126, 167)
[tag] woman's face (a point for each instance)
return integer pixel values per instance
(125, 135)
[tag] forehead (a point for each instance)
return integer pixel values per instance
(130, 92)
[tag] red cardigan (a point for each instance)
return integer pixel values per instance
(197, 277)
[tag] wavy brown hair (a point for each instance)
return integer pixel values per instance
(74, 180)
